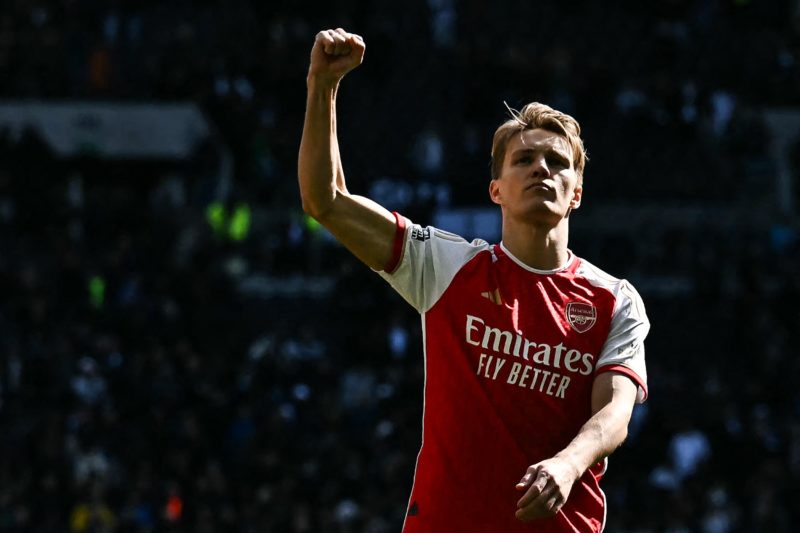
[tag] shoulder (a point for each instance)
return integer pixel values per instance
(598, 277)
(414, 241)
(442, 249)
(420, 233)
(425, 261)
(436, 242)
(622, 290)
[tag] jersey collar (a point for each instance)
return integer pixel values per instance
(570, 260)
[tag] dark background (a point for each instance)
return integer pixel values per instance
(270, 382)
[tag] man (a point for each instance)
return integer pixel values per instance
(534, 358)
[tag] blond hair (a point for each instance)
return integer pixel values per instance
(532, 116)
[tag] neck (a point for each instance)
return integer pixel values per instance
(541, 247)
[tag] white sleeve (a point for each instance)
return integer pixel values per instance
(623, 350)
(426, 259)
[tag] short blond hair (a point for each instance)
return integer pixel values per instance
(532, 116)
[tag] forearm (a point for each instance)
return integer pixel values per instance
(549, 482)
(319, 167)
(598, 438)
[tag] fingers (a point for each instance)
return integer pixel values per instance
(529, 476)
(554, 503)
(542, 498)
(546, 504)
(353, 39)
(339, 43)
(336, 44)
(536, 480)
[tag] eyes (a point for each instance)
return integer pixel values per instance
(552, 160)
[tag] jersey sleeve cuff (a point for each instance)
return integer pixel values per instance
(398, 245)
(641, 394)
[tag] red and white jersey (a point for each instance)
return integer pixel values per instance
(510, 356)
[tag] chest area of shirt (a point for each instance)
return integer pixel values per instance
(514, 313)
(523, 334)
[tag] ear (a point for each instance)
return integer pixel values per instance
(494, 191)
(577, 194)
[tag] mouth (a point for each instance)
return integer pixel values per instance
(539, 187)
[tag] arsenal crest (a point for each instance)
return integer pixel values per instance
(581, 316)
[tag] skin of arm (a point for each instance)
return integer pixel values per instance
(547, 484)
(363, 226)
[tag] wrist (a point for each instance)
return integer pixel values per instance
(574, 464)
(320, 83)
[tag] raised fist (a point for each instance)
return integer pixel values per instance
(335, 53)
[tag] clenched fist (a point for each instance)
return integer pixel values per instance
(335, 53)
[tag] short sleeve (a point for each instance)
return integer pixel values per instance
(425, 260)
(623, 351)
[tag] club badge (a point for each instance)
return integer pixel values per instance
(581, 316)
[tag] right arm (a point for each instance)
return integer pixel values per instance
(363, 226)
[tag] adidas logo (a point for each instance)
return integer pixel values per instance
(493, 297)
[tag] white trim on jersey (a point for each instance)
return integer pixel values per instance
(570, 259)
(605, 499)
(605, 509)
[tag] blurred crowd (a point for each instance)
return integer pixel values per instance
(172, 360)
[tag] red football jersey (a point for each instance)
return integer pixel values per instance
(510, 356)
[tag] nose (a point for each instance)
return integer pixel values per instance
(540, 168)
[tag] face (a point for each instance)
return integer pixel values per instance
(538, 182)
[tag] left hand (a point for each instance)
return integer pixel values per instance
(548, 485)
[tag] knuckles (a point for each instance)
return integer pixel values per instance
(340, 37)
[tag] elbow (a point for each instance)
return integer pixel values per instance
(315, 208)
(309, 208)
(313, 211)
